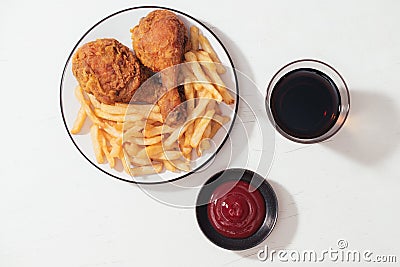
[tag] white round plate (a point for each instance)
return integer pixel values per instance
(117, 26)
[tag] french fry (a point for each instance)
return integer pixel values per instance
(79, 121)
(112, 109)
(197, 112)
(211, 69)
(95, 103)
(157, 130)
(94, 133)
(152, 122)
(141, 109)
(115, 147)
(140, 161)
(151, 140)
(188, 89)
(200, 108)
(217, 123)
(125, 164)
(187, 72)
(201, 127)
(168, 155)
(194, 37)
(207, 131)
(142, 153)
(119, 126)
(155, 117)
(154, 149)
(155, 108)
(111, 123)
(111, 130)
(204, 145)
(118, 118)
(188, 135)
(169, 142)
(122, 105)
(107, 136)
(189, 94)
(129, 124)
(182, 165)
(79, 94)
(103, 144)
(181, 146)
(214, 128)
(201, 76)
(135, 131)
(85, 104)
(146, 141)
(211, 105)
(131, 149)
(206, 46)
(209, 92)
(169, 166)
(145, 170)
(186, 151)
(205, 96)
(92, 116)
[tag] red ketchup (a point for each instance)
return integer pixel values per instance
(236, 209)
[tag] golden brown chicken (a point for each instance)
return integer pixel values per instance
(159, 42)
(108, 70)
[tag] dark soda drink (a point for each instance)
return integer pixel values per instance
(305, 103)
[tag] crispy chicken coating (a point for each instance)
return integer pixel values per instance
(159, 40)
(108, 70)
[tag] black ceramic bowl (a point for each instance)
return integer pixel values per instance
(256, 181)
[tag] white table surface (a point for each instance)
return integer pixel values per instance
(58, 210)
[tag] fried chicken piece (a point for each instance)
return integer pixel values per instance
(108, 70)
(159, 42)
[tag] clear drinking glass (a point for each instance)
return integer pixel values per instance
(297, 106)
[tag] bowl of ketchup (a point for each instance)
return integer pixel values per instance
(236, 209)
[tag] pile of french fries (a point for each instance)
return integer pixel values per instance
(136, 134)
